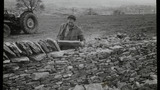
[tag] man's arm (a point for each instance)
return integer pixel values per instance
(81, 38)
(60, 34)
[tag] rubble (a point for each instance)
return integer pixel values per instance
(119, 65)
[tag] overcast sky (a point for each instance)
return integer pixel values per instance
(105, 1)
(96, 3)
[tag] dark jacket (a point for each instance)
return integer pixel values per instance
(74, 34)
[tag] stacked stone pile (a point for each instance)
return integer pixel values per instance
(121, 65)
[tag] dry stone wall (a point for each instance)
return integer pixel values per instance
(97, 66)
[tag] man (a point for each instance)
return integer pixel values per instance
(70, 31)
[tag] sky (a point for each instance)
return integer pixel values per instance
(95, 3)
(98, 3)
(105, 2)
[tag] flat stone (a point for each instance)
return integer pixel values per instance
(151, 82)
(58, 83)
(70, 67)
(67, 75)
(58, 76)
(116, 47)
(7, 75)
(104, 50)
(155, 38)
(56, 54)
(153, 77)
(47, 68)
(95, 86)
(21, 59)
(37, 76)
(23, 75)
(38, 57)
(14, 77)
(51, 62)
(6, 61)
(15, 67)
(40, 87)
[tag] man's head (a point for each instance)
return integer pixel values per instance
(71, 20)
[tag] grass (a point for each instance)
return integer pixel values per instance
(93, 26)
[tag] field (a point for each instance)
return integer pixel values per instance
(93, 26)
(113, 62)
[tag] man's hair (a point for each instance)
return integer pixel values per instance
(71, 17)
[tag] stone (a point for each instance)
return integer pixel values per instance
(79, 87)
(153, 77)
(131, 79)
(96, 86)
(154, 38)
(67, 75)
(15, 67)
(137, 84)
(56, 54)
(104, 50)
(23, 75)
(37, 76)
(81, 66)
(116, 47)
(61, 62)
(25, 48)
(58, 76)
(106, 87)
(21, 59)
(38, 57)
(48, 68)
(120, 84)
(58, 83)
(8, 50)
(40, 87)
(7, 75)
(151, 82)
(35, 49)
(70, 67)
(53, 44)
(44, 46)
(5, 57)
(51, 62)
(6, 61)
(126, 87)
(103, 53)
(14, 77)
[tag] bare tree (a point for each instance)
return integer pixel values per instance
(31, 5)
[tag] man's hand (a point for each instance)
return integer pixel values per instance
(83, 43)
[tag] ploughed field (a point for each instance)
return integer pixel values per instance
(120, 54)
(92, 26)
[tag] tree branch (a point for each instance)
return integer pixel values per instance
(24, 3)
(30, 3)
(36, 5)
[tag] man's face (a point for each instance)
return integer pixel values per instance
(70, 22)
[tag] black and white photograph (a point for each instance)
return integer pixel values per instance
(80, 45)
